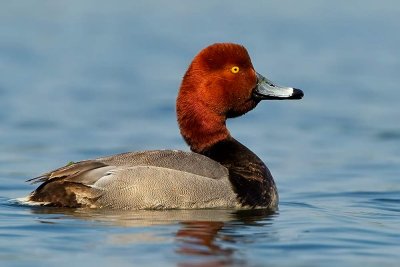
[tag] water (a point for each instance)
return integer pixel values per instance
(90, 78)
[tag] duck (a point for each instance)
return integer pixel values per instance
(218, 171)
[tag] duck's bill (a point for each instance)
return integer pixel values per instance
(266, 89)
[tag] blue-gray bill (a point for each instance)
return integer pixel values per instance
(266, 89)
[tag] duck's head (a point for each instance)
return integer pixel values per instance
(221, 83)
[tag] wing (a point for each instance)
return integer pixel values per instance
(171, 159)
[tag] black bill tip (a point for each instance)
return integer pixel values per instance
(297, 94)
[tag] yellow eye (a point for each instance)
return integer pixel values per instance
(235, 69)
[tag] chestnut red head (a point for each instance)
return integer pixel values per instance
(221, 83)
(222, 78)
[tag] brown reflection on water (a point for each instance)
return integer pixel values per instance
(199, 238)
(210, 243)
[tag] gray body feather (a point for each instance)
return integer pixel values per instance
(160, 179)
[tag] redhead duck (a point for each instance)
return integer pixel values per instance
(219, 172)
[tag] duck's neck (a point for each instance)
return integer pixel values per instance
(200, 127)
(251, 179)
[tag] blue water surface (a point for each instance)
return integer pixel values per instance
(84, 79)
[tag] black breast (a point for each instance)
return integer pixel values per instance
(251, 179)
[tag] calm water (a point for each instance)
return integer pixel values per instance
(83, 79)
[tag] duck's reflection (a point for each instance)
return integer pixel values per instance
(213, 240)
(203, 238)
(199, 238)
